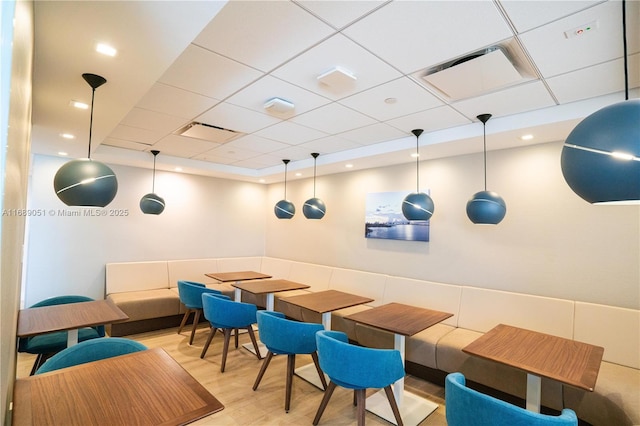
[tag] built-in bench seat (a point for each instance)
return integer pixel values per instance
(145, 289)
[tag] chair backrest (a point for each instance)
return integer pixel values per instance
(190, 293)
(60, 300)
(357, 367)
(90, 350)
(222, 312)
(466, 406)
(283, 336)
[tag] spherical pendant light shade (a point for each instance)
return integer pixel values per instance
(152, 204)
(601, 157)
(486, 207)
(85, 183)
(417, 206)
(314, 208)
(284, 209)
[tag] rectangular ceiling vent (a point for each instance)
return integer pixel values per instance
(208, 132)
(480, 72)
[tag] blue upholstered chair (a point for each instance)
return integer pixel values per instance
(89, 351)
(285, 337)
(467, 407)
(190, 293)
(358, 368)
(225, 314)
(46, 345)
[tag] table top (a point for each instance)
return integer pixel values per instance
(269, 286)
(147, 387)
(46, 319)
(226, 277)
(400, 318)
(327, 301)
(565, 360)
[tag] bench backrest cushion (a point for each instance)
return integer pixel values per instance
(316, 276)
(483, 309)
(362, 283)
(616, 329)
(277, 268)
(136, 276)
(234, 264)
(425, 294)
(191, 270)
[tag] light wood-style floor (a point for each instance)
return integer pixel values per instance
(265, 406)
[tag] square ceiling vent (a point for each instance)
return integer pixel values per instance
(472, 75)
(208, 132)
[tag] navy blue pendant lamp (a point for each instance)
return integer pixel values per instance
(84, 182)
(601, 157)
(486, 207)
(284, 209)
(152, 203)
(314, 208)
(417, 205)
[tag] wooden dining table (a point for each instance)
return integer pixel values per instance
(142, 388)
(403, 321)
(540, 355)
(70, 317)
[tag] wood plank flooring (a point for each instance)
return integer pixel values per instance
(265, 406)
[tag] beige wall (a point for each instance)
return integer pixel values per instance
(550, 243)
(14, 196)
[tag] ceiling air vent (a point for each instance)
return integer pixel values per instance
(472, 75)
(208, 132)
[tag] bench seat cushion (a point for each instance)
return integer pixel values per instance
(140, 305)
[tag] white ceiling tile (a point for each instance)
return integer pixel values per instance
(181, 146)
(290, 133)
(294, 153)
(136, 134)
(405, 97)
(236, 118)
(211, 157)
(339, 14)
(525, 97)
(206, 73)
(414, 35)
(256, 143)
(430, 120)
(333, 118)
(174, 101)
(258, 162)
(151, 120)
(262, 34)
(375, 133)
(526, 15)
(233, 152)
(595, 81)
(338, 51)
(257, 94)
(136, 146)
(556, 54)
(329, 145)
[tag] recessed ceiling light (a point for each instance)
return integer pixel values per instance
(415, 155)
(348, 166)
(62, 153)
(262, 181)
(526, 137)
(105, 49)
(67, 135)
(390, 101)
(298, 174)
(178, 169)
(78, 104)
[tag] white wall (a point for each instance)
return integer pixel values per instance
(204, 217)
(551, 242)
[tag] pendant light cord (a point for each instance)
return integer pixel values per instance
(417, 165)
(285, 179)
(484, 144)
(93, 95)
(314, 177)
(624, 48)
(153, 184)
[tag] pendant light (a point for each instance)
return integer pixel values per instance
(152, 203)
(417, 205)
(284, 209)
(314, 208)
(486, 207)
(601, 157)
(84, 182)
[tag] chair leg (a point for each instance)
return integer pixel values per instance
(237, 334)
(394, 404)
(225, 350)
(291, 366)
(325, 400)
(39, 361)
(196, 319)
(361, 401)
(184, 320)
(208, 342)
(265, 364)
(254, 341)
(314, 355)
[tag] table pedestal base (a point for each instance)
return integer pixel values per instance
(413, 409)
(310, 374)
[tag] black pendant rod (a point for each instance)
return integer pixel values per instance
(314, 155)
(484, 118)
(153, 185)
(94, 81)
(285, 177)
(624, 48)
(417, 133)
